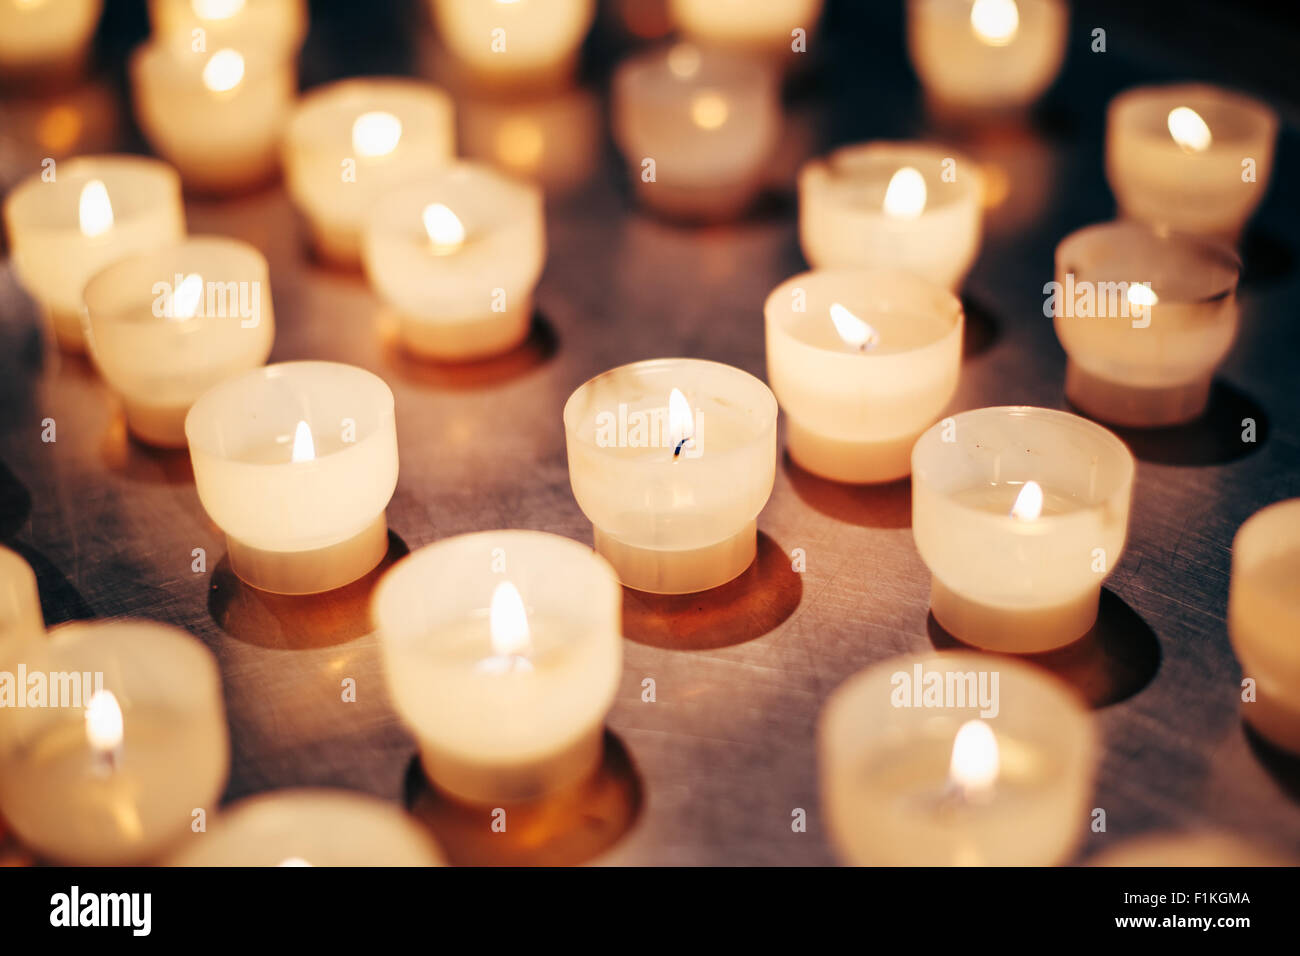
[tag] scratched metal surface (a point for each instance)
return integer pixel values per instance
(710, 772)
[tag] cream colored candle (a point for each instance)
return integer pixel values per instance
(986, 54)
(1264, 619)
(351, 141)
(696, 128)
(516, 43)
(95, 210)
(42, 37)
(165, 326)
(555, 141)
(217, 115)
(672, 460)
(281, 24)
(503, 653)
(955, 758)
(862, 363)
(311, 827)
(129, 743)
(458, 254)
(1196, 848)
(296, 463)
(20, 605)
(1189, 156)
(1020, 514)
(760, 27)
(1145, 317)
(892, 205)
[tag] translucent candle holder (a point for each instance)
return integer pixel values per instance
(1264, 619)
(21, 620)
(468, 294)
(281, 24)
(131, 741)
(514, 44)
(896, 794)
(1190, 157)
(1136, 364)
(296, 463)
(756, 27)
(696, 128)
(854, 411)
(892, 205)
(42, 40)
(157, 354)
(57, 247)
(673, 514)
(507, 699)
(351, 141)
(1009, 581)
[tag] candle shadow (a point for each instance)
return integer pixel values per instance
(980, 330)
(288, 622)
(562, 829)
(1265, 256)
(1112, 662)
(536, 350)
(746, 608)
(868, 506)
(60, 599)
(125, 455)
(1282, 766)
(15, 502)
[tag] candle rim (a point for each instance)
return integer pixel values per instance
(832, 174)
(1144, 110)
(324, 114)
(30, 204)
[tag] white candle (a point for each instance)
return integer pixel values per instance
(40, 38)
(1195, 848)
(760, 27)
(20, 605)
(514, 43)
(281, 24)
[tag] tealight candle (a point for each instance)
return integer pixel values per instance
(281, 24)
(696, 128)
(503, 652)
(672, 460)
(1264, 619)
(38, 37)
(20, 604)
(458, 254)
(883, 205)
(296, 463)
(130, 741)
(955, 758)
(514, 43)
(862, 363)
(1145, 317)
(554, 141)
(760, 27)
(165, 326)
(217, 115)
(311, 827)
(351, 141)
(1189, 157)
(1020, 514)
(95, 210)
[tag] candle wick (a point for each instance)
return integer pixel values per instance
(678, 450)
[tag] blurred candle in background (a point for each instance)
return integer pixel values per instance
(43, 40)
(1193, 848)
(517, 44)
(20, 605)
(555, 141)
(280, 24)
(769, 28)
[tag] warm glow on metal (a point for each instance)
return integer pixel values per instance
(94, 210)
(995, 22)
(376, 133)
(906, 195)
(1029, 503)
(855, 332)
(224, 71)
(1188, 129)
(444, 228)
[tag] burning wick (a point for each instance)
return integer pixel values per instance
(680, 421)
(974, 766)
(104, 728)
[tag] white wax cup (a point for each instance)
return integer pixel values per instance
(165, 326)
(1189, 156)
(466, 292)
(555, 141)
(514, 43)
(350, 141)
(311, 827)
(130, 741)
(670, 521)
(1153, 365)
(986, 55)
(854, 411)
(1264, 619)
(59, 236)
(38, 37)
(892, 205)
(1018, 582)
(279, 23)
(763, 27)
(896, 793)
(296, 463)
(218, 114)
(20, 605)
(503, 653)
(696, 128)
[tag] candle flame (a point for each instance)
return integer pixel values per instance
(293, 861)
(94, 210)
(216, 9)
(1140, 295)
(185, 299)
(975, 760)
(995, 22)
(376, 133)
(444, 227)
(681, 423)
(684, 61)
(1189, 130)
(103, 722)
(709, 110)
(855, 333)
(1029, 503)
(304, 447)
(508, 621)
(906, 195)
(224, 71)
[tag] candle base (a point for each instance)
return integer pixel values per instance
(1135, 406)
(311, 572)
(686, 571)
(705, 202)
(160, 426)
(66, 327)
(467, 340)
(1010, 629)
(481, 783)
(849, 461)
(335, 245)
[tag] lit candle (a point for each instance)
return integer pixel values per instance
(1145, 317)
(886, 205)
(1189, 157)
(672, 460)
(696, 128)
(45, 37)
(296, 463)
(458, 254)
(311, 827)
(129, 742)
(955, 759)
(280, 24)
(862, 363)
(554, 141)
(1264, 619)
(95, 210)
(1020, 514)
(515, 43)
(759, 27)
(503, 652)
(986, 54)
(20, 605)
(350, 141)
(166, 325)
(1195, 848)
